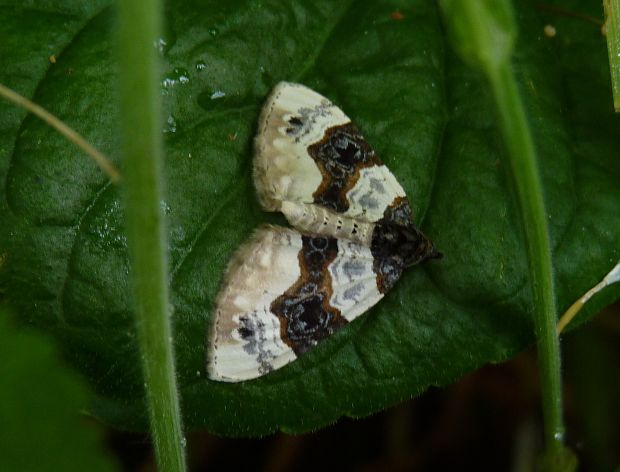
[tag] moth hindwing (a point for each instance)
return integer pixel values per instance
(286, 290)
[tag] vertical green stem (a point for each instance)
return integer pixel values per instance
(524, 170)
(139, 27)
(483, 32)
(612, 28)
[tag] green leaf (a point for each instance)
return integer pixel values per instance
(428, 116)
(40, 399)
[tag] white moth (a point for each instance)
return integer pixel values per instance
(286, 290)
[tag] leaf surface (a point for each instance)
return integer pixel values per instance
(429, 117)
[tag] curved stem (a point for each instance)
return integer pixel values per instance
(611, 278)
(103, 162)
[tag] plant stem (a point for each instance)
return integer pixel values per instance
(139, 27)
(104, 164)
(611, 278)
(612, 29)
(483, 32)
(524, 170)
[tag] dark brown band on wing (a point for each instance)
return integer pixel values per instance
(388, 264)
(397, 244)
(387, 270)
(305, 315)
(340, 156)
(399, 212)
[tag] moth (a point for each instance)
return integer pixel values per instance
(286, 290)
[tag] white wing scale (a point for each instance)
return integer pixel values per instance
(261, 270)
(287, 176)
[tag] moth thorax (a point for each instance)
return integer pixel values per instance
(317, 220)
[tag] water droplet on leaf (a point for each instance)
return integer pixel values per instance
(160, 44)
(176, 77)
(171, 125)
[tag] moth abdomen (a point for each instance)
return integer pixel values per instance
(314, 219)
